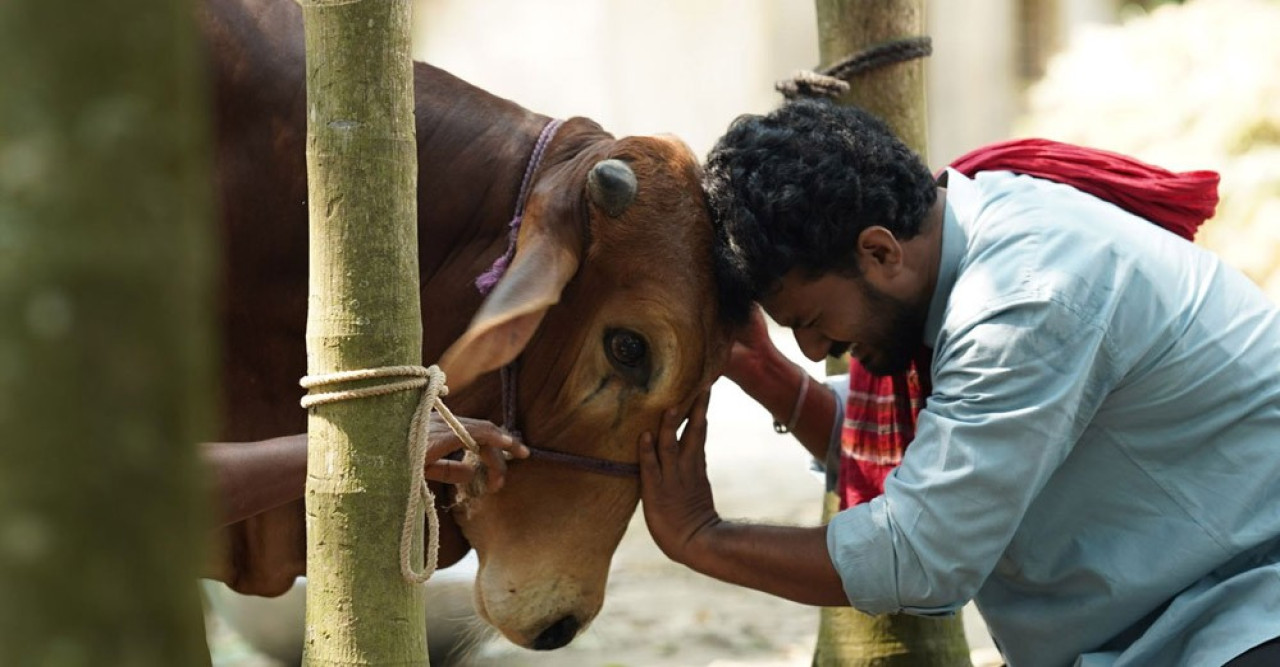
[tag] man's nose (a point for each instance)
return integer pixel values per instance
(813, 344)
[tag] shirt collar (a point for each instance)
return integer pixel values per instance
(959, 203)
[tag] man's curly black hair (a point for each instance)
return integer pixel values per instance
(794, 189)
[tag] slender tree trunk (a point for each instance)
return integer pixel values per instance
(895, 93)
(364, 313)
(105, 333)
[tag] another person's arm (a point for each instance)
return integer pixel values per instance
(252, 477)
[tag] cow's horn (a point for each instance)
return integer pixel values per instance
(612, 185)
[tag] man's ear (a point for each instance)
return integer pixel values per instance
(879, 252)
(548, 252)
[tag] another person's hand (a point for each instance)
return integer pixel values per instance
(496, 446)
(752, 349)
(678, 506)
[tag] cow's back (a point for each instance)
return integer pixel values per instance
(472, 148)
(259, 95)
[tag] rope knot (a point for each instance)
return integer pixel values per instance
(420, 496)
(807, 83)
(833, 81)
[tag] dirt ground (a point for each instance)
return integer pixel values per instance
(659, 614)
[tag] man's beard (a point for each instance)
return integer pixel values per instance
(896, 340)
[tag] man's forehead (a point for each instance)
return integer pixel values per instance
(788, 293)
(779, 307)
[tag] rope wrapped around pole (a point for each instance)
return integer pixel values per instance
(433, 379)
(833, 81)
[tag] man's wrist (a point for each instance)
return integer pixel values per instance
(790, 425)
(763, 373)
(699, 551)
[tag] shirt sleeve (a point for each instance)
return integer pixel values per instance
(1012, 392)
(829, 469)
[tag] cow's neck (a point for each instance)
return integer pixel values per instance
(472, 149)
(472, 152)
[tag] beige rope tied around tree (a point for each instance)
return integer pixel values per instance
(419, 436)
(833, 81)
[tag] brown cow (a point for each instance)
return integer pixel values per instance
(609, 306)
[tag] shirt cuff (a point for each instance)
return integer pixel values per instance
(830, 468)
(861, 544)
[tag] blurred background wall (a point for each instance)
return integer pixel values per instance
(1186, 85)
(689, 67)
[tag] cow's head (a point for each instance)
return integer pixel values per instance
(609, 303)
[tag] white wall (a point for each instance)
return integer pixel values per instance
(686, 67)
(972, 80)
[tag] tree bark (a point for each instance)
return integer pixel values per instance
(364, 313)
(105, 333)
(896, 94)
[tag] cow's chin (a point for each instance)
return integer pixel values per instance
(542, 572)
(538, 610)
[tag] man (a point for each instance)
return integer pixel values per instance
(1098, 461)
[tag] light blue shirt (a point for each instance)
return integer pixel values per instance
(1098, 466)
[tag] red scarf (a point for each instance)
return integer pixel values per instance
(880, 414)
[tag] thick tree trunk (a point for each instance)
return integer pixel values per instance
(105, 333)
(895, 93)
(364, 313)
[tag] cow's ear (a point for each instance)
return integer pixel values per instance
(548, 251)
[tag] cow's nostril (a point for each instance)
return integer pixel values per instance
(557, 634)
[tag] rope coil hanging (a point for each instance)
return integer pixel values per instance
(433, 379)
(833, 81)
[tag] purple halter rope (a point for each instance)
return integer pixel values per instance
(485, 283)
(488, 279)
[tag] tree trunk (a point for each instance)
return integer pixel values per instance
(850, 638)
(896, 94)
(105, 333)
(364, 313)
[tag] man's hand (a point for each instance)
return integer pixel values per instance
(781, 560)
(678, 506)
(496, 446)
(752, 350)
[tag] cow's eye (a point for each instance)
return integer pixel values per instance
(626, 347)
(628, 353)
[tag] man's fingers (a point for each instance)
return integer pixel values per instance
(495, 465)
(694, 438)
(650, 468)
(668, 446)
(488, 433)
(442, 445)
(450, 472)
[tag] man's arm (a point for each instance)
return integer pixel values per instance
(767, 376)
(787, 561)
